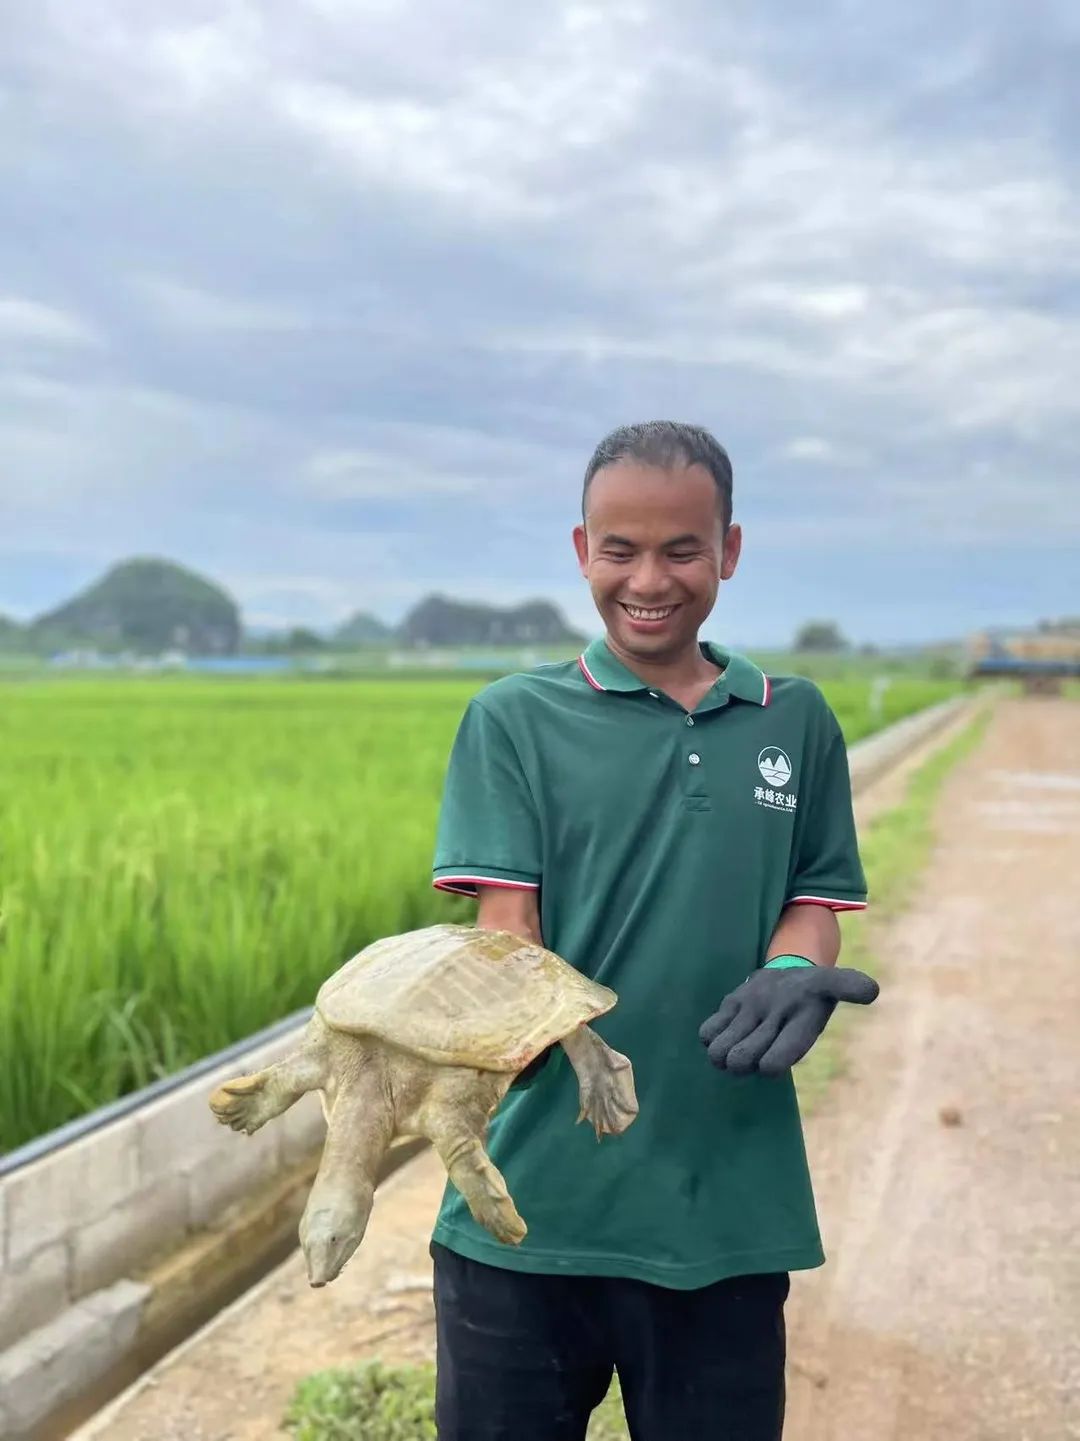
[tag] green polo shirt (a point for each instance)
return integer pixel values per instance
(664, 846)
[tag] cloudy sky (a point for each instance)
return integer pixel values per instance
(332, 299)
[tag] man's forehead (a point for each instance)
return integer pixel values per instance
(633, 485)
(681, 502)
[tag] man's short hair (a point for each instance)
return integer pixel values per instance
(665, 443)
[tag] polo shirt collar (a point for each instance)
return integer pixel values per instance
(605, 672)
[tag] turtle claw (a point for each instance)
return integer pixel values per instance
(583, 1115)
(605, 1083)
(502, 1219)
(612, 1105)
(244, 1104)
(499, 1214)
(588, 1114)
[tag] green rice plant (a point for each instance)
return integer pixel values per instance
(859, 714)
(182, 862)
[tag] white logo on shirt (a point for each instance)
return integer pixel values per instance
(775, 767)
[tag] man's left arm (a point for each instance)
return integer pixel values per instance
(806, 930)
(771, 1021)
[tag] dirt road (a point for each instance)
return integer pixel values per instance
(950, 1305)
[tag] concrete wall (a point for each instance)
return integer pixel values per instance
(871, 757)
(77, 1224)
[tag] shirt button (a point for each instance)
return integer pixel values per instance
(694, 758)
(689, 720)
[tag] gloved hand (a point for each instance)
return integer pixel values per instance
(771, 1020)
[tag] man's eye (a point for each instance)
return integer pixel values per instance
(684, 555)
(616, 555)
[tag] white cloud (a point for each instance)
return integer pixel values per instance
(187, 307)
(501, 144)
(369, 475)
(200, 62)
(29, 320)
(811, 448)
(814, 303)
(101, 454)
(401, 461)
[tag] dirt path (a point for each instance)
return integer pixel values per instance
(950, 1306)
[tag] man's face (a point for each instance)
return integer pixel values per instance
(654, 553)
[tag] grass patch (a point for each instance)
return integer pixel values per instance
(371, 1402)
(895, 849)
(374, 1402)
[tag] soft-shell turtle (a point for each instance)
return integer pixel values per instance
(423, 1034)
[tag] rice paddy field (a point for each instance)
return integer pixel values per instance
(183, 861)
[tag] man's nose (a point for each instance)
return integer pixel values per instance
(649, 577)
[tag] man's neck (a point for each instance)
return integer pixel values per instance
(685, 671)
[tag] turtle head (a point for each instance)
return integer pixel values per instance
(330, 1233)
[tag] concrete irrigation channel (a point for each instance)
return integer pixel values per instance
(123, 1233)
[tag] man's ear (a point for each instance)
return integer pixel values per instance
(581, 546)
(729, 556)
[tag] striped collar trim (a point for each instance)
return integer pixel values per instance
(605, 672)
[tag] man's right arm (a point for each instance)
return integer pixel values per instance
(501, 908)
(488, 839)
(488, 842)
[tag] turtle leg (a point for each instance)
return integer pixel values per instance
(358, 1133)
(454, 1119)
(248, 1102)
(605, 1082)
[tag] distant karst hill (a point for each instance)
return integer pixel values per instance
(439, 621)
(146, 605)
(362, 629)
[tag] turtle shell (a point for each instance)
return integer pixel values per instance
(461, 996)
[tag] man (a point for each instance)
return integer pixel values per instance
(679, 826)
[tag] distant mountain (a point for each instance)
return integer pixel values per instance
(439, 621)
(151, 605)
(362, 629)
(145, 605)
(12, 635)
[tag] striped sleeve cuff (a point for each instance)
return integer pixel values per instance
(463, 880)
(834, 903)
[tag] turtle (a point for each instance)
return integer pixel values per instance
(422, 1035)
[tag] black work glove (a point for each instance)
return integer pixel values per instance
(771, 1020)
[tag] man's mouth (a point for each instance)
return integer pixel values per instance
(647, 613)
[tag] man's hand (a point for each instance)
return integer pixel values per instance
(771, 1020)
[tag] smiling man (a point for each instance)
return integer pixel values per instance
(679, 826)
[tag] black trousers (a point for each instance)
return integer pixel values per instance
(524, 1357)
